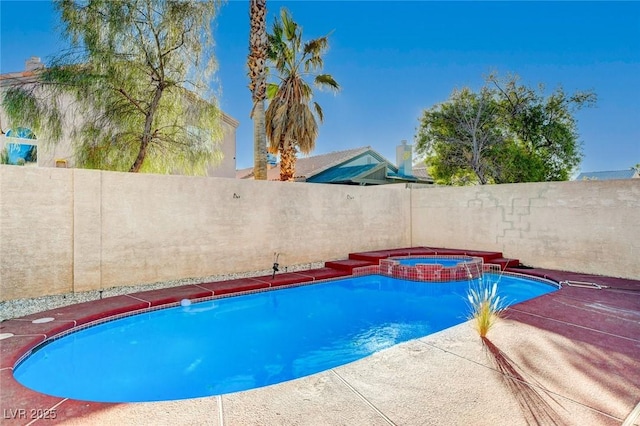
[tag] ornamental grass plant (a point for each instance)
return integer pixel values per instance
(486, 306)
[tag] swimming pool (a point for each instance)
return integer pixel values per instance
(243, 342)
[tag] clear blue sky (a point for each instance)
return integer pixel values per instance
(393, 59)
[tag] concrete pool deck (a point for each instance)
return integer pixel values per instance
(569, 357)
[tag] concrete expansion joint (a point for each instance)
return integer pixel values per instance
(459, 356)
(204, 288)
(52, 409)
(43, 335)
(139, 299)
(363, 398)
(220, 410)
(535, 387)
(576, 325)
(509, 376)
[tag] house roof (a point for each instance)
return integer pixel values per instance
(348, 174)
(420, 171)
(13, 78)
(342, 167)
(310, 166)
(609, 175)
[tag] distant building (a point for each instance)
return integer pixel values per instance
(358, 166)
(610, 175)
(61, 153)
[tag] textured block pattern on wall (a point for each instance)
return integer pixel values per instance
(587, 226)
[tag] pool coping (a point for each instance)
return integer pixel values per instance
(15, 399)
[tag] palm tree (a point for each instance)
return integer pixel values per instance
(258, 83)
(291, 124)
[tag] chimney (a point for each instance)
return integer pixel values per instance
(33, 63)
(404, 159)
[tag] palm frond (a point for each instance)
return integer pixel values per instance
(326, 81)
(316, 46)
(319, 111)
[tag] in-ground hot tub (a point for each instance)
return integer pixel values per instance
(432, 268)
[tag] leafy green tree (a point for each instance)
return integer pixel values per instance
(137, 75)
(544, 129)
(512, 162)
(462, 132)
(258, 49)
(291, 124)
(505, 133)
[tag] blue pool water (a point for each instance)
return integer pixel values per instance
(431, 261)
(249, 341)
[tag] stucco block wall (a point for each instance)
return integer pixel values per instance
(164, 227)
(87, 230)
(79, 230)
(36, 231)
(587, 226)
(64, 230)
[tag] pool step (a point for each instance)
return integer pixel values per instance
(487, 256)
(376, 255)
(349, 264)
(504, 263)
(368, 258)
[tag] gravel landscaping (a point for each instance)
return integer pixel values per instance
(20, 307)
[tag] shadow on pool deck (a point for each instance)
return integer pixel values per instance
(525, 390)
(568, 357)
